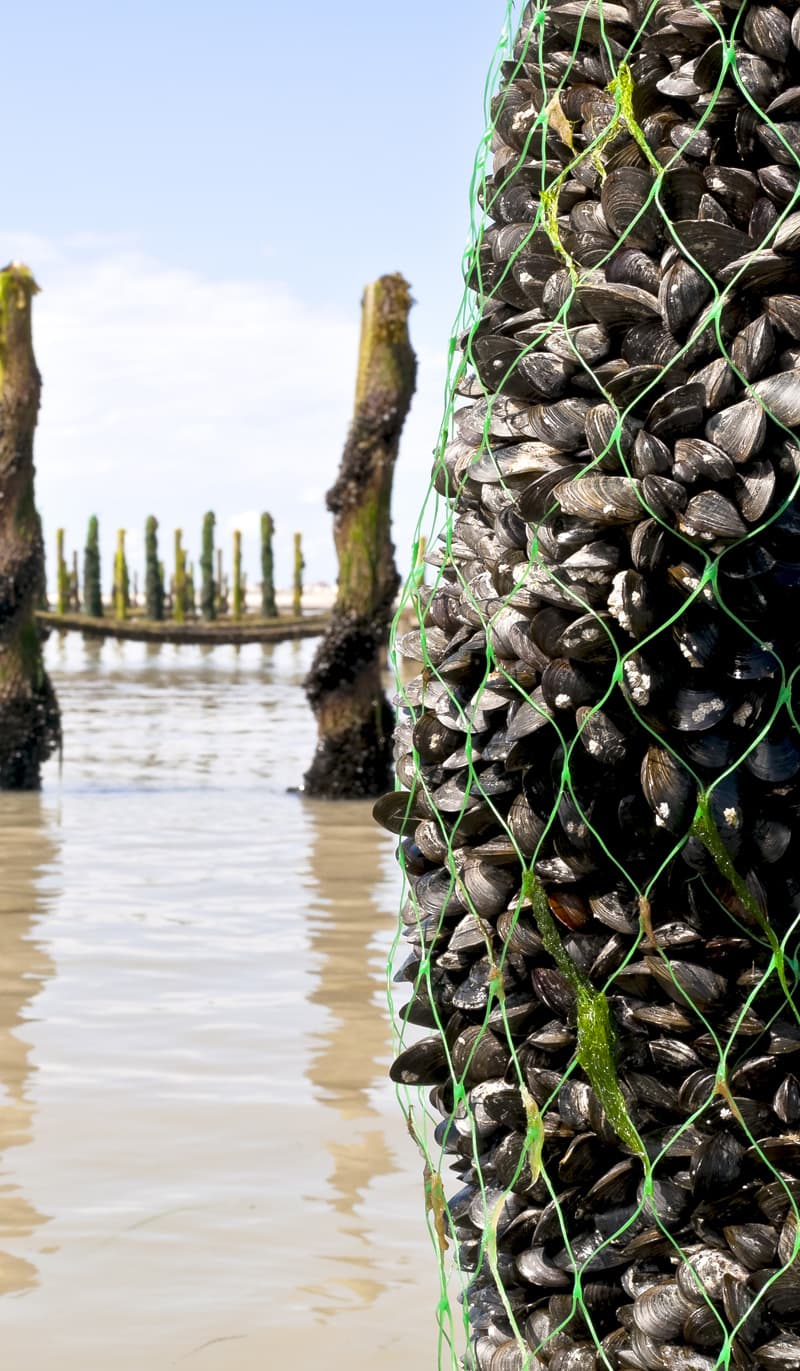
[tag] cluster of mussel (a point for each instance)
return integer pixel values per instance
(608, 651)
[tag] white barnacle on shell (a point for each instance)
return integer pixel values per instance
(701, 711)
(638, 683)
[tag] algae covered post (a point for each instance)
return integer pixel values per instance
(208, 591)
(190, 597)
(221, 600)
(154, 572)
(62, 575)
(121, 583)
(268, 606)
(344, 687)
(92, 593)
(237, 595)
(74, 585)
(29, 718)
(297, 576)
(179, 581)
(600, 754)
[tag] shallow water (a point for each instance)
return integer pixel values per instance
(201, 1158)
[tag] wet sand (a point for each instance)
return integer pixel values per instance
(201, 1159)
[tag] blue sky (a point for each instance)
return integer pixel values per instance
(202, 193)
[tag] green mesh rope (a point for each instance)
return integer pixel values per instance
(598, 762)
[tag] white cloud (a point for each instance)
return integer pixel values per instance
(170, 393)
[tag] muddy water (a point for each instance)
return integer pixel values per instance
(201, 1161)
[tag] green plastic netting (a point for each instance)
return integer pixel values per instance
(598, 761)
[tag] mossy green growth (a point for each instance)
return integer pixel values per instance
(297, 581)
(384, 313)
(238, 594)
(21, 658)
(596, 1046)
(17, 288)
(705, 828)
(534, 1134)
(268, 606)
(622, 89)
(359, 580)
(92, 594)
(26, 519)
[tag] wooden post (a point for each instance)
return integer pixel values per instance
(354, 721)
(297, 584)
(208, 607)
(75, 586)
(62, 575)
(29, 719)
(120, 578)
(154, 572)
(269, 609)
(179, 592)
(92, 593)
(191, 599)
(237, 575)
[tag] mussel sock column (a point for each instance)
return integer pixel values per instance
(600, 758)
(29, 719)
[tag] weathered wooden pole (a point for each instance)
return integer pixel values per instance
(154, 573)
(120, 578)
(75, 586)
(179, 583)
(62, 575)
(29, 719)
(208, 604)
(238, 597)
(354, 720)
(191, 598)
(92, 594)
(269, 609)
(297, 583)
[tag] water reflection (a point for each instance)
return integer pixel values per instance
(26, 850)
(349, 1058)
(92, 650)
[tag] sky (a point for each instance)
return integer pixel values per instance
(202, 194)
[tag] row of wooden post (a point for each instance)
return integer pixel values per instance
(180, 601)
